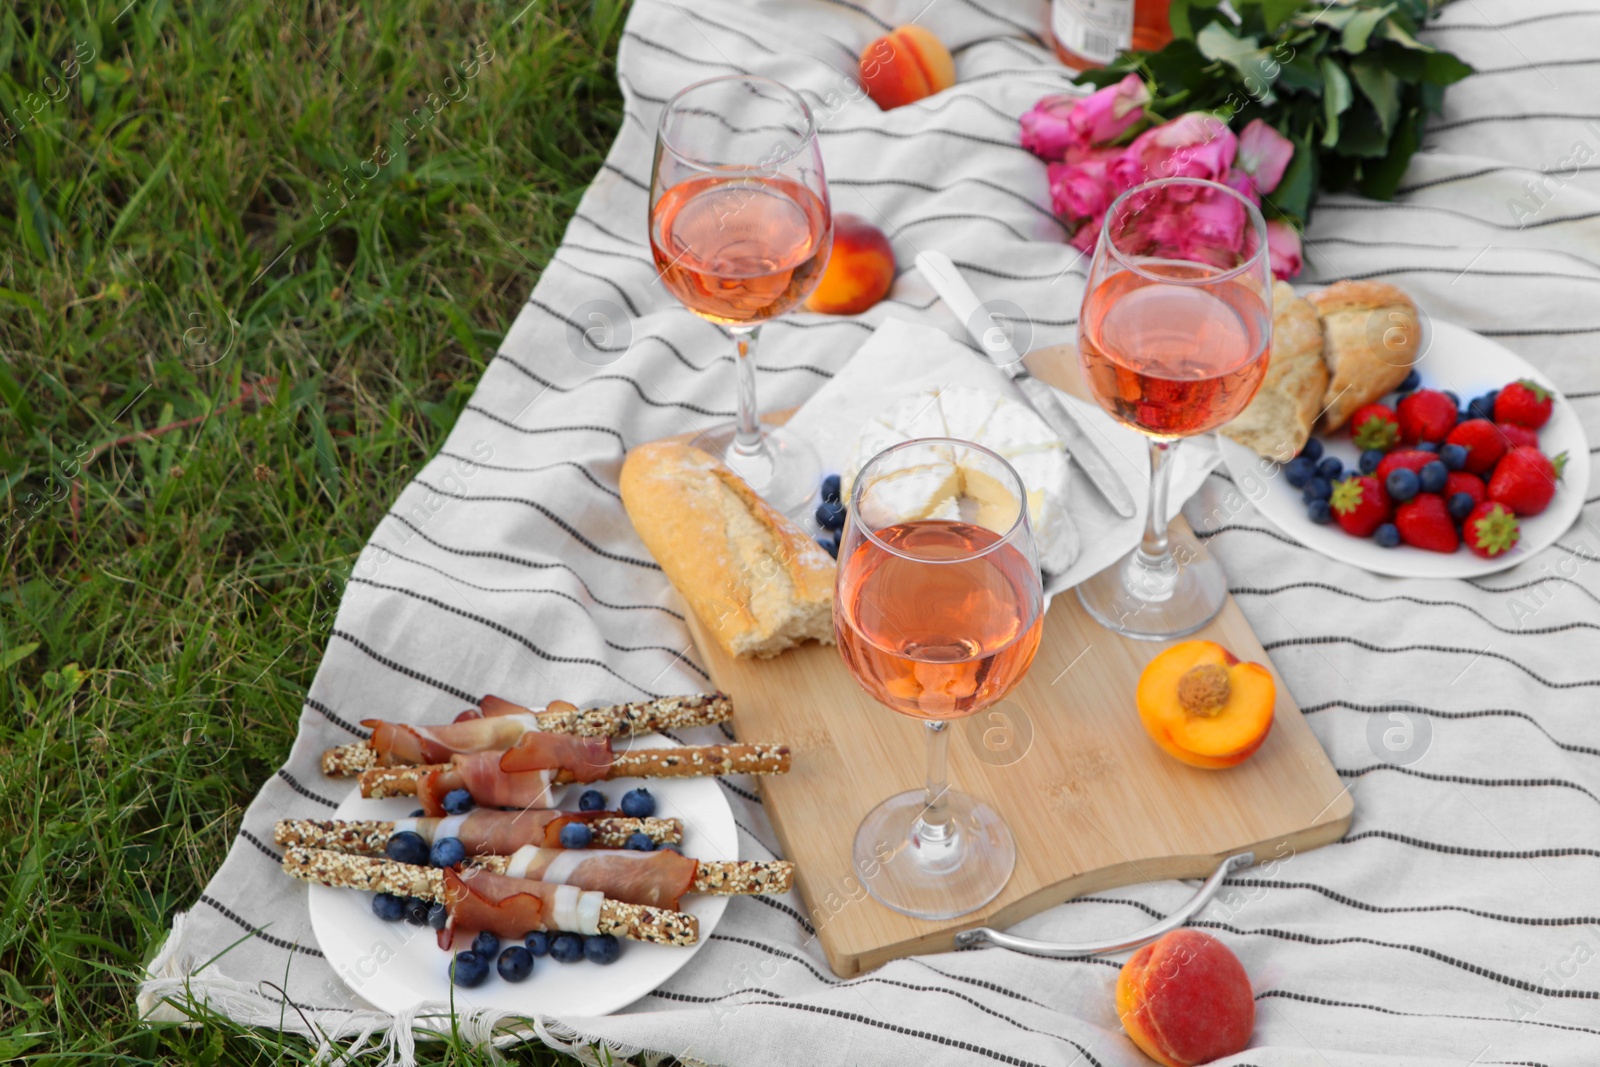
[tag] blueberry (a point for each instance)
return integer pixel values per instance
(1316, 489)
(388, 907)
(1320, 512)
(514, 964)
(1387, 535)
(417, 911)
(419, 813)
(1425, 446)
(447, 852)
(438, 915)
(830, 515)
(830, 489)
(1330, 468)
(640, 842)
(407, 846)
(1432, 476)
(638, 804)
(1460, 505)
(1403, 485)
(1370, 460)
(566, 948)
(1480, 407)
(538, 943)
(468, 969)
(830, 543)
(486, 944)
(457, 802)
(601, 948)
(1413, 380)
(1313, 449)
(576, 835)
(1454, 457)
(592, 800)
(1455, 398)
(1300, 470)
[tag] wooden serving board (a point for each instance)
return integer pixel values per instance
(1091, 800)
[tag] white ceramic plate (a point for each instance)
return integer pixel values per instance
(398, 967)
(1469, 365)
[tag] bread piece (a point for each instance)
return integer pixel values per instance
(757, 581)
(1277, 422)
(1371, 337)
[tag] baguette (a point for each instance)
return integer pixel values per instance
(1371, 337)
(757, 582)
(1277, 423)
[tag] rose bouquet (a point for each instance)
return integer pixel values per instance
(1270, 97)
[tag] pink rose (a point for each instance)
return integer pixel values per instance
(1058, 124)
(1079, 190)
(1283, 248)
(1195, 145)
(1243, 184)
(1264, 153)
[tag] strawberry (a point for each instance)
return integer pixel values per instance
(1409, 458)
(1523, 403)
(1526, 480)
(1425, 415)
(1490, 530)
(1360, 505)
(1375, 426)
(1425, 522)
(1462, 482)
(1515, 435)
(1484, 444)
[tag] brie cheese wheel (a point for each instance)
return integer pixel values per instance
(928, 486)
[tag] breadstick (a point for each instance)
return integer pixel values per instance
(340, 870)
(687, 762)
(722, 877)
(369, 836)
(618, 720)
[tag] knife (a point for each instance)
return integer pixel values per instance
(941, 273)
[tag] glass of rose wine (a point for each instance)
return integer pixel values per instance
(1173, 338)
(741, 230)
(937, 619)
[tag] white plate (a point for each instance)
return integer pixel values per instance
(1469, 365)
(397, 967)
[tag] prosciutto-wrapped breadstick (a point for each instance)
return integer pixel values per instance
(477, 899)
(482, 832)
(658, 879)
(521, 777)
(500, 724)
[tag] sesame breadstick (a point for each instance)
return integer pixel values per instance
(722, 877)
(369, 836)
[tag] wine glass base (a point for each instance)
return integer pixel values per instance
(1135, 600)
(786, 474)
(930, 877)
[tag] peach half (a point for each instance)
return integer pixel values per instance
(905, 65)
(1185, 999)
(1204, 706)
(859, 272)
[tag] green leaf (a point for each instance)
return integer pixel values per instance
(1300, 75)
(1336, 99)
(1443, 68)
(12, 394)
(1379, 180)
(1391, 30)
(1361, 134)
(1183, 24)
(1293, 195)
(1360, 27)
(1380, 85)
(1276, 12)
(1245, 55)
(13, 656)
(11, 296)
(136, 201)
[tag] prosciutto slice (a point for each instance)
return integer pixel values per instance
(476, 900)
(481, 774)
(494, 706)
(587, 759)
(399, 744)
(653, 879)
(500, 833)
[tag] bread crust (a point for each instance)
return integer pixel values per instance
(1279, 418)
(1371, 337)
(756, 581)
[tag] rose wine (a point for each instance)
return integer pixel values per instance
(1173, 360)
(740, 250)
(934, 639)
(1091, 33)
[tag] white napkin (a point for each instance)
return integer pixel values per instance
(902, 358)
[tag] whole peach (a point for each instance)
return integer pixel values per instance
(1185, 999)
(905, 65)
(860, 271)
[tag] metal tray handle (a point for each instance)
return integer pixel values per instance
(983, 935)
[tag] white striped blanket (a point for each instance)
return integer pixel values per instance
(1457, 923)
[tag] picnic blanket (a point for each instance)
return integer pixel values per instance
(1458, 921)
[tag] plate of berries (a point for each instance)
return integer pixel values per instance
(1475, 464)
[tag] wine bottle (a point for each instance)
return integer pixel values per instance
(1090, 33)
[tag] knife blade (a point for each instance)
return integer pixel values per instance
(941, 273)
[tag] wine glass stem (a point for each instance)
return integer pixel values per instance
(1153, 547)
(934, 824)
(748, 442)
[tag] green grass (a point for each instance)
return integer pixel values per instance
(168, 243)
